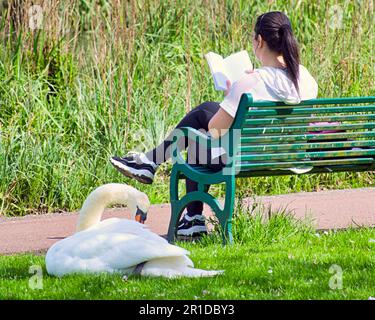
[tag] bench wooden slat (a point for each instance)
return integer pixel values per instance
(319, 101)
(309, 145)
(295, 129)
(289, 111)
(291, 164)
(304, 155)
(322, 169)
(295, 120)
(306, 137)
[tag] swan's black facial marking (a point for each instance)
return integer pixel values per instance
(140, 216)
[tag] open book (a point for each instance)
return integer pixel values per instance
(230, 68)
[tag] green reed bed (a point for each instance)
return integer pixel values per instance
(103, 78)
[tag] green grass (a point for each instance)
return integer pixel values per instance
(101, 78)
(280, 258)
(104, 77)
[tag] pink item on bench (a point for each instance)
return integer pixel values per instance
(317, 124)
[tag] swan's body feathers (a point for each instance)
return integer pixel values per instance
(118, 246)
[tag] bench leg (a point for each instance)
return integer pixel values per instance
(176, 206)
(225, 217)
(175, 217)
(175, 214)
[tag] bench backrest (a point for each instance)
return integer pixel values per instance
(328, 134)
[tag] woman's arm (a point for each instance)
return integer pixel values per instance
(220, 123)
(222, 120)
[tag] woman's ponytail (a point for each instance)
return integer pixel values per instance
(276, 30)
(290, 52)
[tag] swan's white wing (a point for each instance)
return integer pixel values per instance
(112, 245)
(174, 267)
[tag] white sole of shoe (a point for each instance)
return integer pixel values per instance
(191, 231)
(143, 176)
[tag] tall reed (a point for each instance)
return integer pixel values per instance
(98, 78)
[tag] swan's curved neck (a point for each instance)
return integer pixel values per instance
(94, 205)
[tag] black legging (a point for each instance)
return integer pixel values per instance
(198, 118)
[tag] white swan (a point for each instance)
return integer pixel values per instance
(118, 245)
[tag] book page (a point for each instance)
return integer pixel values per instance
(236, 64)
(217, 68)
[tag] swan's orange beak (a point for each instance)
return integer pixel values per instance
(140, 216)
(139, 219)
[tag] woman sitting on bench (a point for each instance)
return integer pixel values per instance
(281, 77)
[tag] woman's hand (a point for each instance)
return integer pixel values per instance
(229, 84)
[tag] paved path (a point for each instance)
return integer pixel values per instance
(328, 209)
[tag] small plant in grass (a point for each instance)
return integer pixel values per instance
(259, 224)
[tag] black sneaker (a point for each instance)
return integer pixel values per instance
(136, 165)
(192, 226)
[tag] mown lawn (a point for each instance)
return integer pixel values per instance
(277, 259)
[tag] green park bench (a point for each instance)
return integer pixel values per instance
(269, 138)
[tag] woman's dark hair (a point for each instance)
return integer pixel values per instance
(275, 28)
